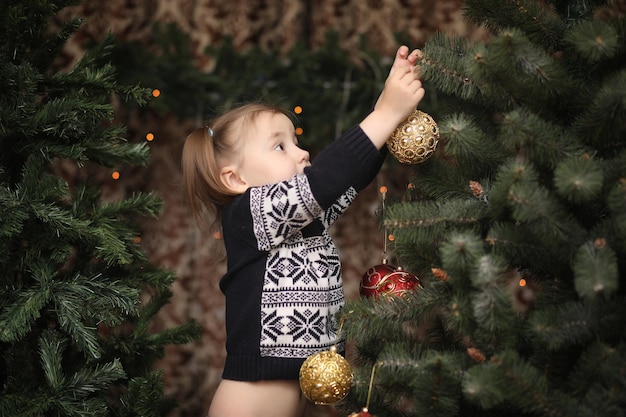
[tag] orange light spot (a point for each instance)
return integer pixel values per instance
(150, 137)
(297, 109)
(115, 175)
(522, 282)
(299, 131)
(410, 186)
(391, 237)
(156, 92)
(137, 239)
(383, 189)
(217, 235)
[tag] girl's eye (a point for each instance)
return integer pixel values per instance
(278, 147)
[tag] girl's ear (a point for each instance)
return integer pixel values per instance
(232, 180)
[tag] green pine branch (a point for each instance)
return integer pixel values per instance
(75, 339)
(516, 226)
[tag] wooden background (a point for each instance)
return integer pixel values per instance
(193, 371)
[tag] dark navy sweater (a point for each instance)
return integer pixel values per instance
(283, 284)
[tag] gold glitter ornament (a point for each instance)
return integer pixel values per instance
(415, 140)
(325, 377)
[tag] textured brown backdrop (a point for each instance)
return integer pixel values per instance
(192, 371)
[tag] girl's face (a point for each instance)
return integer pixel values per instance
(271, 153)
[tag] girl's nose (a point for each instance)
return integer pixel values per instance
(304, 156)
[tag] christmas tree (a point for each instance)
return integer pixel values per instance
(516, 227)
(77, 293)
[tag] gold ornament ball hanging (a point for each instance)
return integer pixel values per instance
(325, 377)
(415, 140)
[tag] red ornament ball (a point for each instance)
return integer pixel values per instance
(385, 280)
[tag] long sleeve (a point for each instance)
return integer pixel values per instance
(350, 161)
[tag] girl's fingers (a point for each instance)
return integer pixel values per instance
(402, 52)
(400, 59)
(415, 56)
(404, 71)
(417, 71)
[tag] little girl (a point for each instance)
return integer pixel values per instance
(283, 283)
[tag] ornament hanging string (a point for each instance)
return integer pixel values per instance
(383, 192)
(371, 386)
(386, 237)
(341, 322)
(384, 279)
(365, 410)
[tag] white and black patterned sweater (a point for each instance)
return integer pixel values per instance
(283, 287)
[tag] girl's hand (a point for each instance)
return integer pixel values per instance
(402, 93)
(403, 90)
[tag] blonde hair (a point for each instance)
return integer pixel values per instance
(207, 147)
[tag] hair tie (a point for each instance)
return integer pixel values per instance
(210, 131)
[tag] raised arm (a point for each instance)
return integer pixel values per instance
(402, 93)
